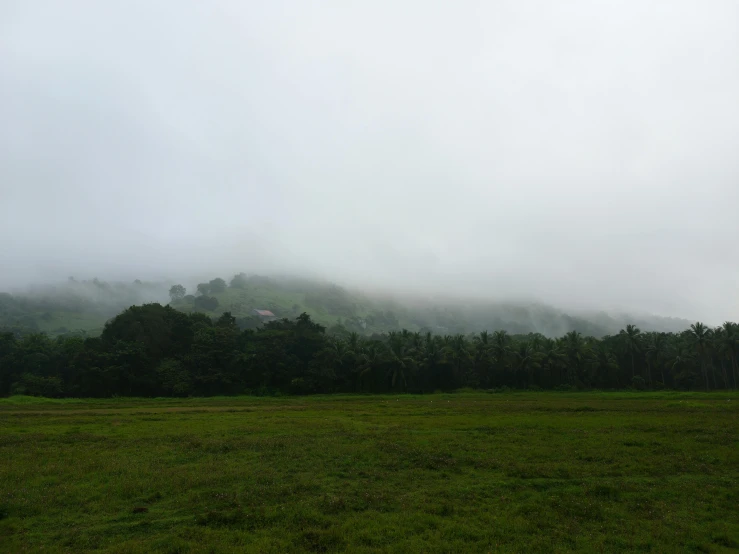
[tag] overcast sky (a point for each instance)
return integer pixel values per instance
(582, 153)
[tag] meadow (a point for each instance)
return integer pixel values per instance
(464, 472)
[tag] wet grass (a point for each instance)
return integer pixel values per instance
(537, 472)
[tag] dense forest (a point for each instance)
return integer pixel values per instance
(155, 350)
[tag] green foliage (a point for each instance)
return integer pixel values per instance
(84, 307)
(174, 378)
(207, 303)
(75, 306)
(239, 281)
(217, 286)
(153, 350)
(333, 300)
(177, 292)
(37, 385)
(203, 288)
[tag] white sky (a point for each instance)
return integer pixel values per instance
(582, 153)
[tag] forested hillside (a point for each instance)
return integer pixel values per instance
(74, 306)
(156, 350)
(82, 307)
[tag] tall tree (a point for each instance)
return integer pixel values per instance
(457, 353)
(654, 354)
(370, 357)
(400, 363)
(482, 356)
(502, 350)
(526, 363)
(630, 338)
(604, 363)
(203, 289)
(576, 353)
(217, 286)
(553, 359)
(701, 341)
(177, 292)
(730, 344)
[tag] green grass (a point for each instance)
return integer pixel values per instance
(518, 472)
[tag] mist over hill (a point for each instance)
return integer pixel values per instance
(579, 154)
(85, 306)
(73, 305)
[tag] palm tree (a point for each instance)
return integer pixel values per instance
(630, 341)
(730, 344)
(701, 341)
(400, 362)
(370, 357)
(576, 352)
(457, 352)
(353, 341)
(679, 355)
(339, 352)
(717, 349)
(552, 357)
(430, 354)
(536, 340)
(482, 356)
(501, 349)
(415, 342)
(352, 354)
(654, 352)
(526, 360)
(603, 361)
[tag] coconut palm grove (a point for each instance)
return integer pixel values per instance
(154, 350)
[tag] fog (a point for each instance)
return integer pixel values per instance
(581, 153)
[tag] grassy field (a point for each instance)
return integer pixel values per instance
(518, 472)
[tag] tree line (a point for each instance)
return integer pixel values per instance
(155, 350)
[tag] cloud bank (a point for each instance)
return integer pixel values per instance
(580, 154)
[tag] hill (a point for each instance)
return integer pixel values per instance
(84, 307)
(74, 306)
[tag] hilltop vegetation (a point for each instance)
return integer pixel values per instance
(83, 307)
(77, 306)
(156, 350)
